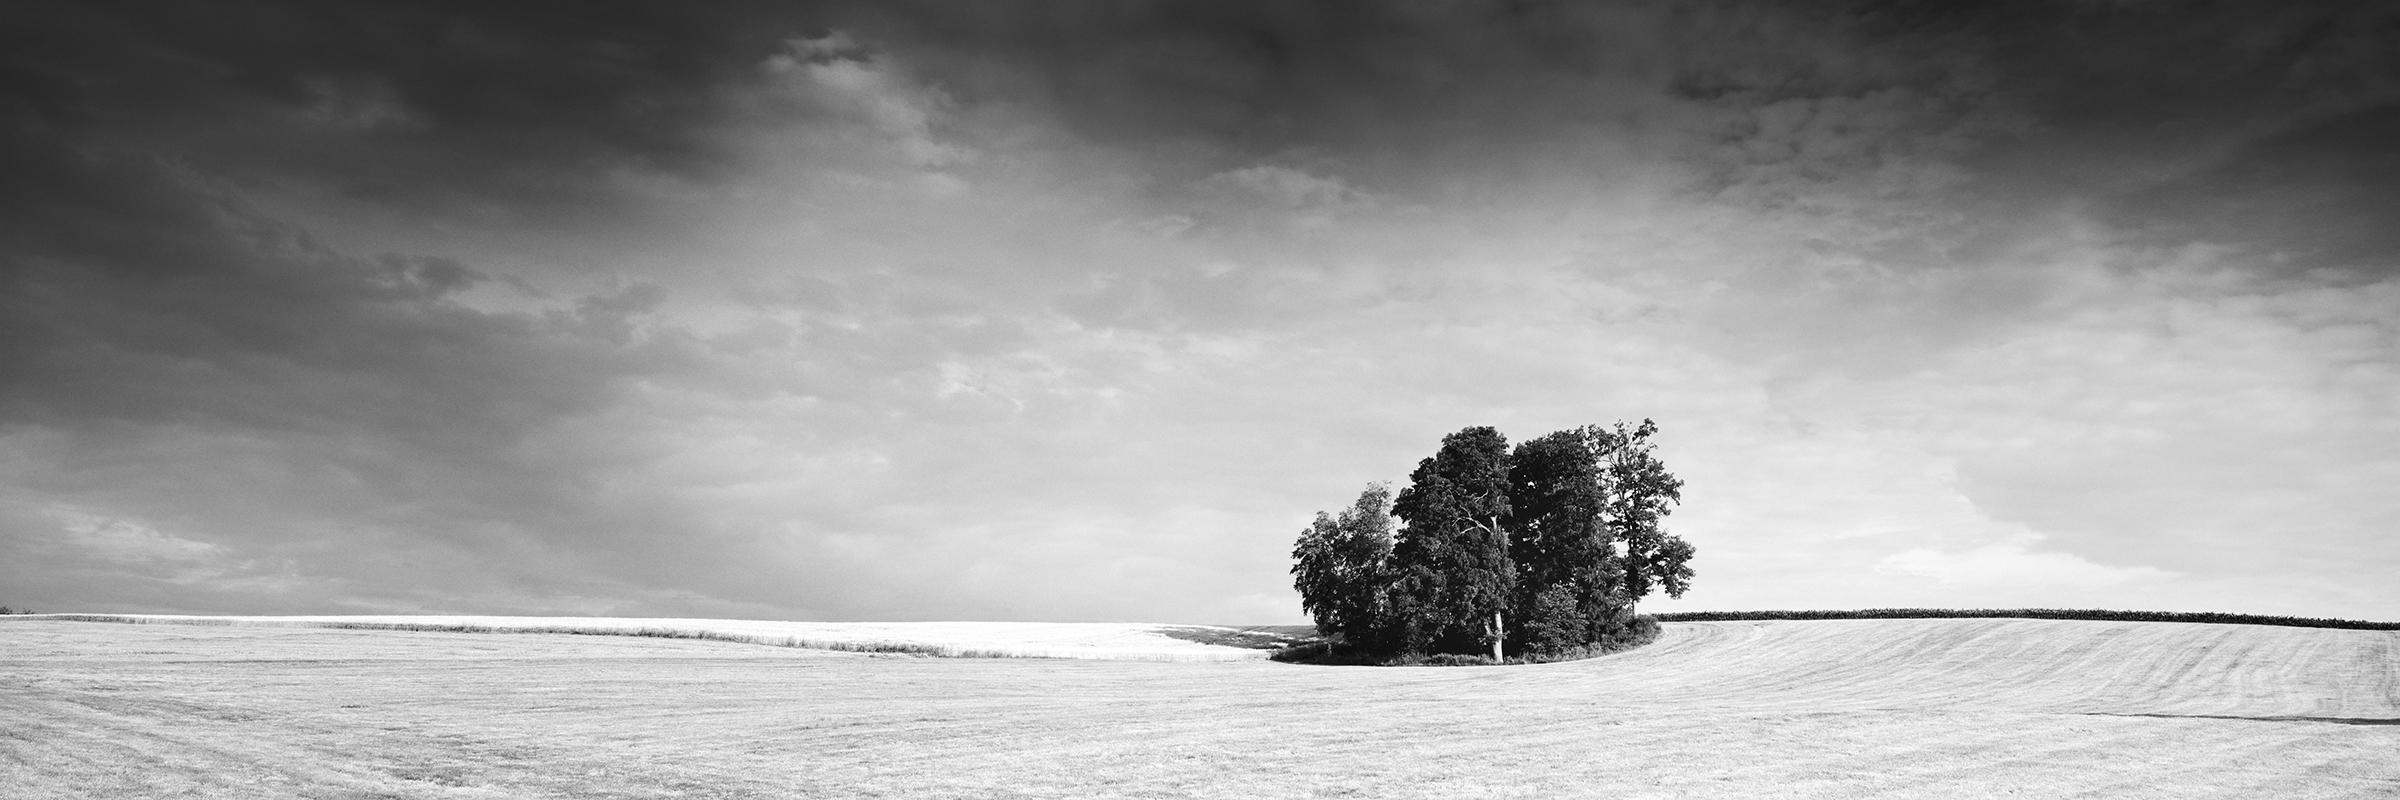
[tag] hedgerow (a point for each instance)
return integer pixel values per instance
(2095, 614)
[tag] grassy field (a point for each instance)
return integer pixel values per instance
(1121, 641)
(1831, 709)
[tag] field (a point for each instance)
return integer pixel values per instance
(1831, 709)
(1120, 641)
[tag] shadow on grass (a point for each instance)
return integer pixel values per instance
(2333, 720)
(1321, 652)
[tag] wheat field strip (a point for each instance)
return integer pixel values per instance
(1830, 709)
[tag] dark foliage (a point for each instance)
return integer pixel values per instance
(1635, 633)
(1452, 560)
(1316, 652)
(2032, 613)
(1540, 552)
(1326, 654)
(1570, 584)
(1553, 622)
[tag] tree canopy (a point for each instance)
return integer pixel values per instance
(1341, 565)
(1452, 560)
(1544, 549)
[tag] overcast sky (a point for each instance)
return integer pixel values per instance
(1081, 311)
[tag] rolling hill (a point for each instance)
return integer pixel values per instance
(1830, 709)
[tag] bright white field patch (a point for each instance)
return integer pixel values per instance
(1134, 641)
(1841, 709)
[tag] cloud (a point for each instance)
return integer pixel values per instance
(2016, 567)
(172, 354)
(2318, 197)
(834, 72)
(126, 541)
(2178, 411)
(1289, 188)
(418, 116)
(360, 103)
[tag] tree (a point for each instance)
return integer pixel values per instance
(1455, 580)
(1641, 493)
(1341, 565)
(1567, 572)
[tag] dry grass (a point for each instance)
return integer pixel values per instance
(1839, 709)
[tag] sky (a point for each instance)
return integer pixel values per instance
(1081, 311)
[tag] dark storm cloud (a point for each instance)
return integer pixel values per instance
(415, 106)
(292, 424)
(179, 356)
(186, 359)
(1195, 89)
(2266, 128)
(523, 109)
(2324, 196)
(130, 290)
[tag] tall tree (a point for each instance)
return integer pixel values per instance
(1455, 577)
(1567, 572)
(1641, 493)
(1341, 565)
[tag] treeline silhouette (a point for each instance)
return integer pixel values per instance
(2031, 613)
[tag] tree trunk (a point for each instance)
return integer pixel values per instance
(1499, 634)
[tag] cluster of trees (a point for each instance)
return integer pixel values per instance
(1543, 550)
(5, 611)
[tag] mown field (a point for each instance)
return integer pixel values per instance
(1831, 709)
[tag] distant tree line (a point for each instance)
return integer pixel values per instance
(2033, 613)
(1541, 551)
(5, 611)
